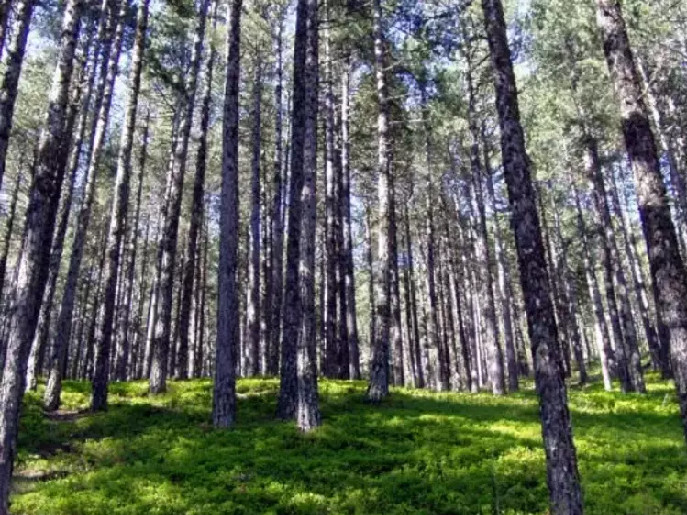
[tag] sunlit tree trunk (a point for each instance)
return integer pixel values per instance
(102, 103)
(170, 228)
(115, 235)
(565, 495)
(34, 261)
(379, 366)
(228, 317)
(13, 60)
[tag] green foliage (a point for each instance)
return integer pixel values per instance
(417, 453)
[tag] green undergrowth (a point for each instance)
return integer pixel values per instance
(416, 453)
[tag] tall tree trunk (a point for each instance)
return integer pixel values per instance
(569, 294)
(13, 60)
(170, 229)
(124, 349)
(253, 305)
(228, 318)
(379, 367)
(41, 337)
(103, 102)
(606, 350)
(331, 342)
(667, 268)
(605, 234)
(307, 408)
(7, 240)
(115, 235)
(292, 331)
(494, 354)
(197, 209)
(565, 495)
(395, 298)
(277, 229)
(347, 250)
(442, 378)
(637, 279)
(34, 262)
(505, 292)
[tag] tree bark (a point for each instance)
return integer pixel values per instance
(347, 251)
(667, 268)
(103, 103)
(307, 408)
(565, 496)
(605, 350)
(14, 58)
(253, 304)
(228, 318)
(170, 229)
(115, 235)
(379, 367)
(34, 262)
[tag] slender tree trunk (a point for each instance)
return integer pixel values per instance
(505, 292)
(347, 251)
(606, 350)
(277, 229)
(637, 280)
(115, 235)
(253, 305)
(228, 318)
(565, 495)
(34, 262)
(13, 60)
(9, 231)
(103, 102)
(379, 366)
(124, 349)
(5, 10)
(197, 210)
(442, 379)
(293, 301)
(605, 234)
(40, 340)
(667, 268)
(569, 297)
(395, 297)
(170, 229)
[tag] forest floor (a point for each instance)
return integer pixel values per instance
(417, 453)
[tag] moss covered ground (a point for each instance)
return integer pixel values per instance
(417, 453)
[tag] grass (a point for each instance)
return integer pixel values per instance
(417, 453)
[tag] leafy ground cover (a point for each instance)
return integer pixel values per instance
(417, 453)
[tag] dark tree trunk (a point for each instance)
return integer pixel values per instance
(667, 268)
(253, 304)
(379, 366)
(307, 408)
(170, 229)
(115, 235)
(347, 250)
(197, 211)
(292, 331)
(606, 350)
(277, 229)
(565, 495)
(103, 103)
(23, 10)
(34, 261)
(228, 318)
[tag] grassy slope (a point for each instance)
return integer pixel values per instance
(416, 453)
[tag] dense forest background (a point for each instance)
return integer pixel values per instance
(442, 195)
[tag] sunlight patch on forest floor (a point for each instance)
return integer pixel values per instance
(418, 452)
